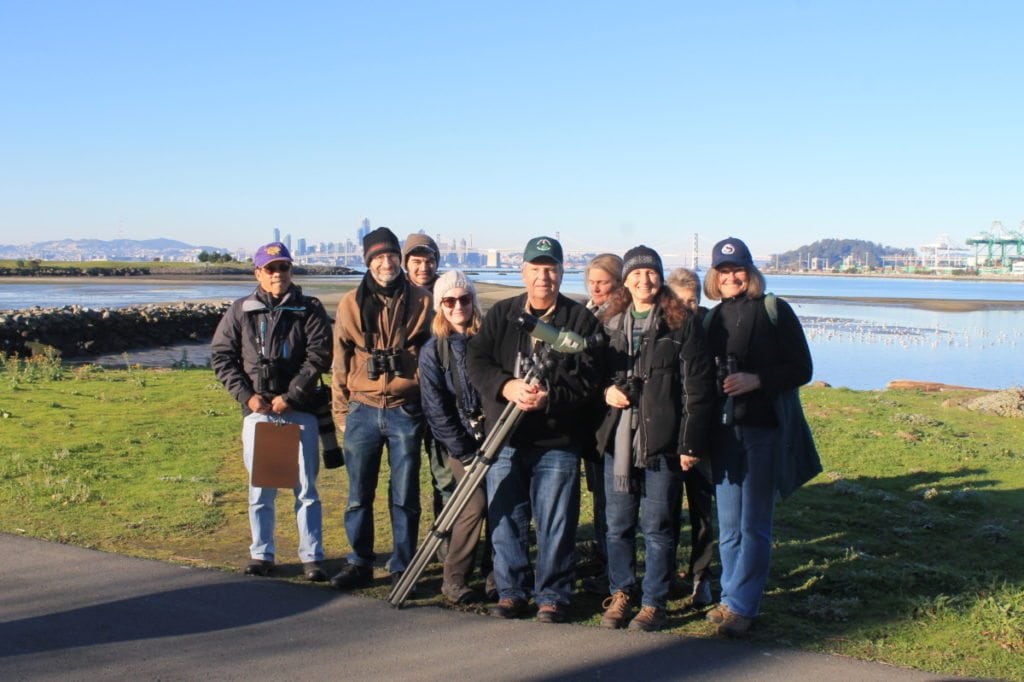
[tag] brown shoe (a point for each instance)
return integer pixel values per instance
(649, 619)
(552, 613)
(616, 611)
(735, 625)
(717, 614)
(508, 607)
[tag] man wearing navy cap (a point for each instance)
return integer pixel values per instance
(269, 351)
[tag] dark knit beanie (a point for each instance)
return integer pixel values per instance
(642, 257)
(381, 240)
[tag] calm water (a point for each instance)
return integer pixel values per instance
(854, 345)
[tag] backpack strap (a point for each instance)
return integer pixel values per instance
(771, 306)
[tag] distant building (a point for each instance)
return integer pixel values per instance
(277, 234)
(300, 248)
(493, 258)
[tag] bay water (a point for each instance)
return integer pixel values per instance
(854, 344)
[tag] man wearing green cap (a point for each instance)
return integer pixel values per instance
(536, 475)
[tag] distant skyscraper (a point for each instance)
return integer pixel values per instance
(288, 241)
(364, 229)
(301, 248)
(277, 234)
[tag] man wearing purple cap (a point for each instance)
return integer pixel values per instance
(379, 328)
(269, 351)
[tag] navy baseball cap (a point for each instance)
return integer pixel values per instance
(731, 251)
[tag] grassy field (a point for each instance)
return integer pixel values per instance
(908, 549)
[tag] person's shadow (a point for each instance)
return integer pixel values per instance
(190, 610)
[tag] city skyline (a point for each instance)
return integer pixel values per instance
(780, 123)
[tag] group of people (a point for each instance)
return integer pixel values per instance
(679, 398)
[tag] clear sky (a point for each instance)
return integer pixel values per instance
(612, 123)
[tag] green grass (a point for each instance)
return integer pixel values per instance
(909, 549)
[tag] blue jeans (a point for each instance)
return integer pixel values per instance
(745, 488)
(656, 501)
(546, 484)
(307, 502)
(367, 429)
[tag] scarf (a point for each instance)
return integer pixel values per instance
(630, 444)
(371, 297)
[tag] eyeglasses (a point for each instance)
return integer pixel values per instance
(465, 301)
(278, 267)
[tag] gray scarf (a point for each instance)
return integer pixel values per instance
(630, 446)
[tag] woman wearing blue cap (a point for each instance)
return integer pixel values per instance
(762, 444)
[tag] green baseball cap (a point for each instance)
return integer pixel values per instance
(543, 247)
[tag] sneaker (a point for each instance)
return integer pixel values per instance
(717, 614)
(508, 607)
(352, 576)
(314, 572)
(649, 619)
(735, 625)
(701, 595)
(616, 611)
(260, 567)
(552, 613)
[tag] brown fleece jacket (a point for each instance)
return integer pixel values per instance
(350, 377)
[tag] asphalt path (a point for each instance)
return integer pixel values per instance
(73, 613)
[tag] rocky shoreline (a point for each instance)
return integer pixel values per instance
(76, 331)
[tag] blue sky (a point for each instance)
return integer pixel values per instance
(610, 123)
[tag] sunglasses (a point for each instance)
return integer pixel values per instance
(465, 300)
(278, 267)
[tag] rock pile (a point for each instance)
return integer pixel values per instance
(75, 330)
(1005, 403)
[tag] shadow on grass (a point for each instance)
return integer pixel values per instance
(857, 557)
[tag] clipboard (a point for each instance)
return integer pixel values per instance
(275, 456)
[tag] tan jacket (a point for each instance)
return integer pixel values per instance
(351, 379)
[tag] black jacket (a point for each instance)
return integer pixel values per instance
(676, 384)
(296, 339)
(777, 353)
(571, 385)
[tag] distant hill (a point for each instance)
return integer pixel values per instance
(834, 252)
(99, 249)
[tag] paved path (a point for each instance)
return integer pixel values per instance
(72, 613)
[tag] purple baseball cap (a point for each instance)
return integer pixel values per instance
(268, 253)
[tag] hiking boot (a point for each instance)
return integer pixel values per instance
(649, 619)
(259, 567)
(508, 607)
(314, 572)
(735, 625)
(458, 594)
(616, 611)
(551, 613)
(701, 596)
(352, 576)
(718, 614)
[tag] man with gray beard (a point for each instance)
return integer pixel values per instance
(378, 331)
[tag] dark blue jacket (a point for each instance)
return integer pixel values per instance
(447, 422)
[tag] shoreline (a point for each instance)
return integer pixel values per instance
(330, 292)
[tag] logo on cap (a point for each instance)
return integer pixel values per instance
(273, 250)
(543, 245)
(728, 249)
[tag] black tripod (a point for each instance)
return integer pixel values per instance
(540, 364)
